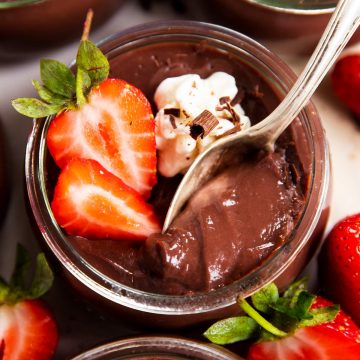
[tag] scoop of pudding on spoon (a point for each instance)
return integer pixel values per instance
(342, 25)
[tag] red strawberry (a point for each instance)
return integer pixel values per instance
(294, 326)
(116, 128)
(346, 81)
(89, 201)
(334, 340)
(340, 265)
(27, 328)
(27, 331)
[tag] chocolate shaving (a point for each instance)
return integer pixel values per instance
(239, 97)
(225, 104)
(172, 111)
(185, 113)
(224, 100)
(173, 121)
(235, 129)
(203, 124)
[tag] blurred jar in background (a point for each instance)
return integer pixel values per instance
(29, 24)
(300, 22)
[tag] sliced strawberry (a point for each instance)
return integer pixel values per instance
(27, 331)
(116, 128)
(89, 201)
(337, 339)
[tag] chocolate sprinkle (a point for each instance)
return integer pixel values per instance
(235, 129)
(173, 121)
(224, 100)
(203, 124)
(225, 104)
(172, 111)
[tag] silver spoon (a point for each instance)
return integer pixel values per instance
(342, 25)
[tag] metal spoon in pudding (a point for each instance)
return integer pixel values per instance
(342, 25)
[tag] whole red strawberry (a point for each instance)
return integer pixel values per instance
(346, 81)
(27, 327)
(337, 339)
(294, 326)
(340, 265)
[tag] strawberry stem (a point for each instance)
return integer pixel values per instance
(248, 309)
(87, 25)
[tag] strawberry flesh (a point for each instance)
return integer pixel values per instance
(116, 128)
(27, 331)
(91, 202)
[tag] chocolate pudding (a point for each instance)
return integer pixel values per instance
(257, 221)
(231, 225)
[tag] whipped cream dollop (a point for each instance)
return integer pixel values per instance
(190, 96)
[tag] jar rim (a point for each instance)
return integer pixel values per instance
(296, 7)
(159, 303)
(165, 345)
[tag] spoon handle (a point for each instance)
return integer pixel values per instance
(342, 25)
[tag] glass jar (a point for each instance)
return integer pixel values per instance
(157, 348)
(126, 49)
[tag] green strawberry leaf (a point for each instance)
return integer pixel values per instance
(48, 96)
(61, 89)
(35, 108)
(21, 269)
(231, 330)
(264, 298)
(57, 77)
(43, 278)
(303, 304)
(295, 288)
(4, 291)
(83, 83)
(321, 315)
(17, 290)
(90, 59)
(298, 310)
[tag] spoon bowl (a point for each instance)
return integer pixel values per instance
(263, 135)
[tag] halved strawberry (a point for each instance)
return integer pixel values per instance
(107, 120)
(28, 331)
(116, 128)
(89, 201)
